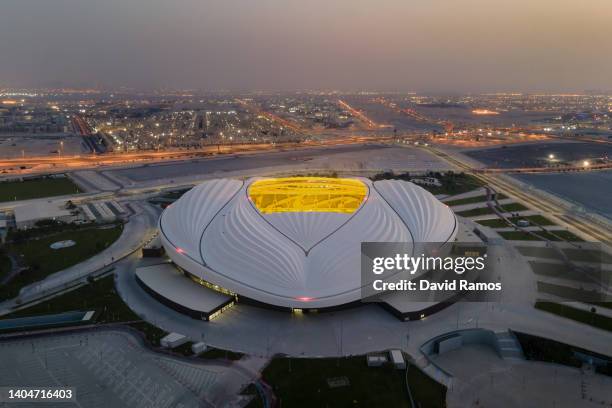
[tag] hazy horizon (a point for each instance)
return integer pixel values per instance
(435, 46)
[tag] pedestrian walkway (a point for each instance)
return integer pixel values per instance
(140, 228)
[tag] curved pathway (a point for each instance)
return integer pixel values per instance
(367, 328)
(138, 230)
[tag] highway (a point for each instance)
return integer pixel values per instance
(50, 164)
(82, 128)
(585, 226)
(557, 169)
(369, 123)
(272, 117)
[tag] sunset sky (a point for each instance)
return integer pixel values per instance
(399, 45)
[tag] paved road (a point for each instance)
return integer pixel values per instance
(587, 225)
(343, 158)
(368, 328)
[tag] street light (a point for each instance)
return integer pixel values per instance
(551, 156)
(586, 163)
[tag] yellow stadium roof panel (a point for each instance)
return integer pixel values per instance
(307, 194)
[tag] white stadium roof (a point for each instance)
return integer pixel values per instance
(298, 252)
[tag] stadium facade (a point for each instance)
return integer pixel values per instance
(295, 243)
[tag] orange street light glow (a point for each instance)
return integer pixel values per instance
(484, 112)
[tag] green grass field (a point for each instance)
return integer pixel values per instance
(541, 349)
(213, 353)
(426, 393)
(454, 183)
(451, 183)
(571, 293)
(37, 188)
(552, 236)
(474, 212)
(486, 210)
(43, 261)
(303, 383)
(574, 254)
(582, 316)
(533, 219)
(472, 200)
(99, 295)
(5, 265)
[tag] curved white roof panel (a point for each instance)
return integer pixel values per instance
(304, 258)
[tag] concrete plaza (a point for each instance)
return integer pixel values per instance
(112, 368)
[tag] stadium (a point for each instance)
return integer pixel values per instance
(293, 243)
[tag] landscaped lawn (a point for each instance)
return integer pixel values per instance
(575, 254)
(512, 207)
(571, 293)
(301, 382)
(37, 188)
(550, 235)
(582, 316)
(5, 265)
(102, 297)
(99, 295)
(426, 392)
(472, 200)
(451, 183)
(486, 210)
(43, 261)
(533, 219)
(541, 349)
(474, 212)
(454, 183)
(213, 353)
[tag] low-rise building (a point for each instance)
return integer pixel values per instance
(27, 215)
(173, 340)
(397, 359)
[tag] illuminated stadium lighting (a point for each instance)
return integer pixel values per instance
(307, 194)
(297, 244)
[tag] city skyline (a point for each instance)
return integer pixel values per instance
(558, 46)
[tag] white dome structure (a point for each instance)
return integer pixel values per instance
(296, 242)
